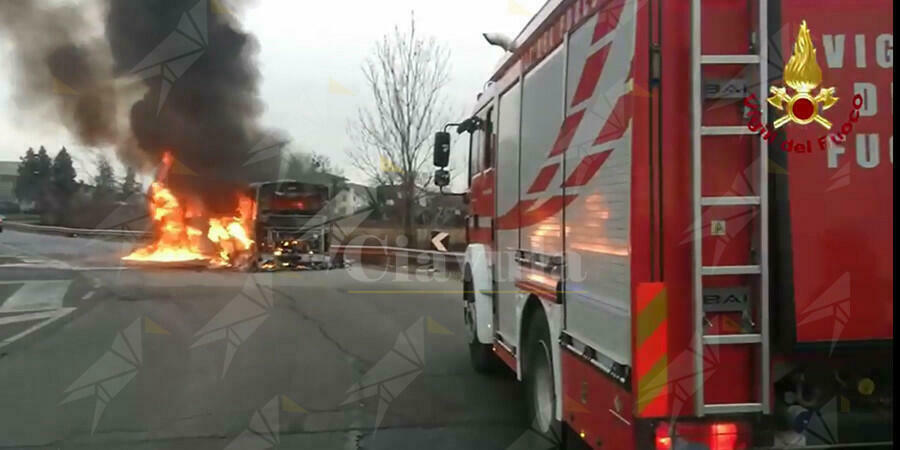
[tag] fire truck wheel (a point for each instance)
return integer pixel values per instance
(539, 378)
(483, 358)
(481, 355)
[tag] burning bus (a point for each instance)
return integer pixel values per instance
(292, 227)
(264, 226)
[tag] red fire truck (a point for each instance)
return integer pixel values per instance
(659, 273)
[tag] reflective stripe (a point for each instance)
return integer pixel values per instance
(651, 359)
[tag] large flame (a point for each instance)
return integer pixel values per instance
(176, 241)
(231, 234)
(802, 71)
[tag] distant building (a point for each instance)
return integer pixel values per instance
(442, 209)
(389, 195)
(9, 172)
(429, 207)
(349, 200)
(390, 199)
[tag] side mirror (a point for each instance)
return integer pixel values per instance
(441, 150)
(441, 178)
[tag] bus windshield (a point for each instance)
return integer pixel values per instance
(292, 198)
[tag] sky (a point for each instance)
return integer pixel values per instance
(311, 56)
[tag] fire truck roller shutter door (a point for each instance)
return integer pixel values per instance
(598, 179)
(507, 229)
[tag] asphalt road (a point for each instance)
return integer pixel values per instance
(94, 354)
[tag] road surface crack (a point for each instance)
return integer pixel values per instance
(292, 304)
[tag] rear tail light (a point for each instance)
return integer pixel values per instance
(710, 435)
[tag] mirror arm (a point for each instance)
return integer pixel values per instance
(471, 124)
(451, 125)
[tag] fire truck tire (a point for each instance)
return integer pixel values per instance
(481, 355)
(483, 358)
(539, 379)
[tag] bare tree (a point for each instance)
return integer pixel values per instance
(406, 75)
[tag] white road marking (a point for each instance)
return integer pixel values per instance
(35, 295)
(28, 317)
(52, 317)
(38, 301)
(62, 266)
(88, 295)
(47, 262)
(38, 264)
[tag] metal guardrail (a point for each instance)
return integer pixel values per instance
(394, 250)
(450, 261)
(362, 249)
(47, 229)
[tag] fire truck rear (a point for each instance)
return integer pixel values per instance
(681, 222)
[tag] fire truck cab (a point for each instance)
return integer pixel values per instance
(658, 273)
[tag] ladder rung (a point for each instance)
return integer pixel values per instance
(725, 130)
(732, 408)
(730, 270)
(728, 339)
(729, 59)
(729, 201)
(755, 62)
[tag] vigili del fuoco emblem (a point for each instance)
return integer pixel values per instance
(803, 74)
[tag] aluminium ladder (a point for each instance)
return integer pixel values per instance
(759, 271)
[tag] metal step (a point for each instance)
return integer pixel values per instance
(732, 408)
(725, 130)
(730, 270)
(729, 59)
(728, 339)
(729, 201)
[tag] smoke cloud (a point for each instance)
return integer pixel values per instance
(166, 75)
(60, 66)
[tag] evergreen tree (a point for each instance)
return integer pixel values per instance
(130, 186)
(105, 181)
(44, 167)
(63, 175)
(26, 183)
(43, 179)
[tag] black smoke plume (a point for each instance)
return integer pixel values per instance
(59, 66)
(176, 76)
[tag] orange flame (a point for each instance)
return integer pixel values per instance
(230, 235)
(802, 71)
(176, 241)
